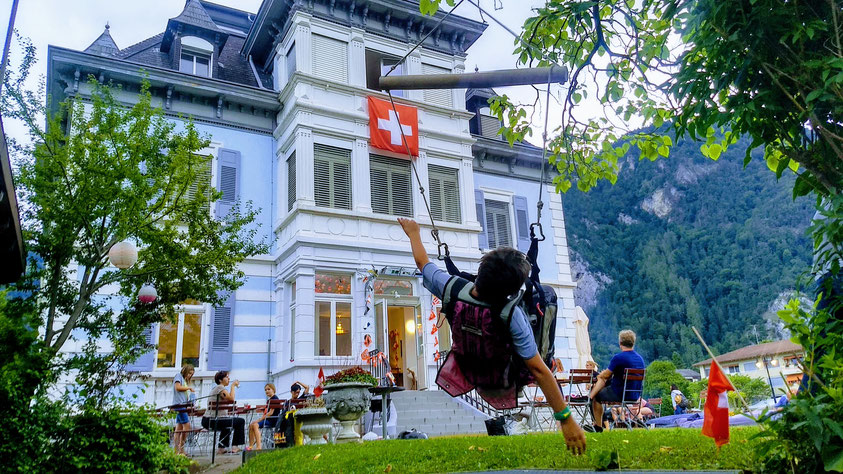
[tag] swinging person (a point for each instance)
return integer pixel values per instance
(501, 274)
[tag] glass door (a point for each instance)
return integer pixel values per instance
(382, 327)
(421, 366)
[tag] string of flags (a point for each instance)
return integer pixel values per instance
(434, 302)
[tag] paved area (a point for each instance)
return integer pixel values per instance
(222, 464)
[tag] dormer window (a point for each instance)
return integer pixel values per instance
(489, 124)
(378, 64)
(196, 56)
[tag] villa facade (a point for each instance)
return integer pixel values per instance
(282, 95)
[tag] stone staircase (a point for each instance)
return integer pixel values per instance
(434, 412)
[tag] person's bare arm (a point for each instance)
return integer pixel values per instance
(605, 375)
(306, 388)
(411, 228)
(183, 388)
(574, 436)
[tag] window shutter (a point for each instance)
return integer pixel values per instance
(482, 238)
(497, 222)
(291, 61)
(332, 176)
(390, 182)
(444, 193)
(330, 59)
(203, 177)
(222, 327)
(229, 185)
(145, 362)
(522, 222)
(291, 181)
(489, 126)
(441, 97)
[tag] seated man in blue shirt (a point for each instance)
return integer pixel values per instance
(604, 391)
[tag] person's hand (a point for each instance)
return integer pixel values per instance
(574, 436)
(410, 226)
(192, 390)
(236, 383)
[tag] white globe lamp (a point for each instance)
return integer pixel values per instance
(147, 294)
(123, 254)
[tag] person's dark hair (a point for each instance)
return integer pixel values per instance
(501, 274)
(219, 376)
(673, 387)
(295, 387)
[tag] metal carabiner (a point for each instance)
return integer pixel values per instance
(439, 245)
(533, 232)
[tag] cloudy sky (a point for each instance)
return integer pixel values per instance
(76, 23)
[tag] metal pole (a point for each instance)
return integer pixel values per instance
(769, 379)
(475, 80)
(7, 45)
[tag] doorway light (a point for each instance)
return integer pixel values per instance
(410, 326)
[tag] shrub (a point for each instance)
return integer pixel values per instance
(127, 439)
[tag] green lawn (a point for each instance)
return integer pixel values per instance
(670, 449)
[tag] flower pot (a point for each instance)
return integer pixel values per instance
(347, 402)
(315, 423)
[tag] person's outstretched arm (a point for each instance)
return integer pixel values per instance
(411, 228)
(574, 436)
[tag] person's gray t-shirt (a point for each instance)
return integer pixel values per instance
(435, 279)
(179, 397)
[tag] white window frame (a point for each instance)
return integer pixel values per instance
(460, 191)
(293, 307)
(391, 167)
(203, 339)
(196, 52)
(333, 299)
(506, 198)
(333, 197)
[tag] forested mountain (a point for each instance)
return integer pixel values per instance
(687, 241)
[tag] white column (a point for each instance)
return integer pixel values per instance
(459, 94)
(279, 67)
(305, 315)
(304, 167)
(356, 59)
(466, 177)
(418, 201)
(361, 190)
(304, 54)
(414, 67)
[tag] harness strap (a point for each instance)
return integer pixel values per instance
(459, 289)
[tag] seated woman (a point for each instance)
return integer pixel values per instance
(224, 424)
(269, 418)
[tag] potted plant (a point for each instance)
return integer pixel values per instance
(315, 420)
(347, 397)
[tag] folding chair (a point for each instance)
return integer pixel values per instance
(656, 403)
(579, 403)
(268, 430)
(630, 397)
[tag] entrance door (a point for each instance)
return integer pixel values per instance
(421, 366)
(381, 327)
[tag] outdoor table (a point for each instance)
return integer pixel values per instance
(385, 392)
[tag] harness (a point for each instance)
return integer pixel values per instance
(482, 355)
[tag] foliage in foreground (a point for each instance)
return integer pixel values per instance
(672, 449)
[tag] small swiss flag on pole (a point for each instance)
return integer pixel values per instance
(716, 419)
(319, 389)
(385, 127)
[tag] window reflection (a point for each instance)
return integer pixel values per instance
(167, 339)
(343, 331)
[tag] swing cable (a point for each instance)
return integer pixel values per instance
(539, 203)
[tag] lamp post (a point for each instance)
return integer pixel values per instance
(773, 362)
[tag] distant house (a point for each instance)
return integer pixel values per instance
(782, 357)
(688, 374)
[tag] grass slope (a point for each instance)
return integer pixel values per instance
(671, 449)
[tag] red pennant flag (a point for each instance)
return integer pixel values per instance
(321, 377)
(716, 420)
(385, 128)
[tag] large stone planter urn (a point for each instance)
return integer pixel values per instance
(315, 423)
(347, 402)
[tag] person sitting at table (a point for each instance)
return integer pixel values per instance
(285, 424)
(269, 418)
(224, 424)
(604, 391)
(181, 386)
(592, 366)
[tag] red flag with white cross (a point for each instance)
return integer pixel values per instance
(385, 127)
(716, 415)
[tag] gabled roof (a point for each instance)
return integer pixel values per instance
(104, 45)
(195, 20)
(756, 351)
(194, 14)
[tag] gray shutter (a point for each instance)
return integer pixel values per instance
(203, 178)
(332, 176)
(390, 184)
(228, 181)
(482, 238)
(145, 362)
(291, 181)
(441, 97)
(489, 126)
(444, 193)
(522, 222)
(330, 59)
(222, 328)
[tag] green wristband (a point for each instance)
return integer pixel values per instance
(563, 415)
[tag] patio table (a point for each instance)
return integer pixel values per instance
(385, 392)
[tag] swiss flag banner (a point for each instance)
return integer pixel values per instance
(385, 127)
(321, 377)
(716, 419)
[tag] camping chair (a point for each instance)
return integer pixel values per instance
(579, 402)
(629, 398)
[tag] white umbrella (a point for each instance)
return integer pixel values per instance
(583, 341)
